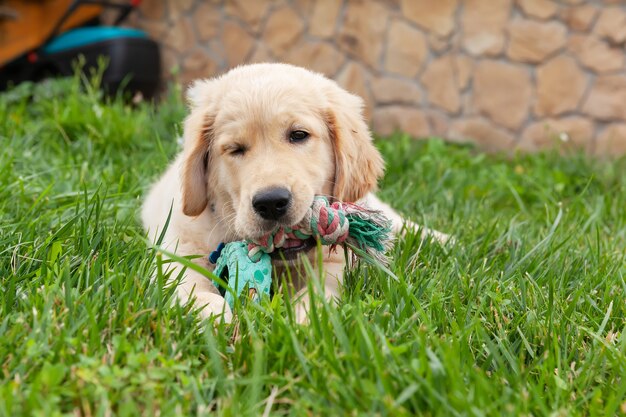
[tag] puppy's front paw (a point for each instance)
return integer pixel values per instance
(214, 305)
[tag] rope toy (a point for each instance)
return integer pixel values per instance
(247, 264)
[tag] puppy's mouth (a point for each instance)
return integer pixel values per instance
(292, 248)
(291, 245)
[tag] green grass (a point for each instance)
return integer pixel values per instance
(525, 315)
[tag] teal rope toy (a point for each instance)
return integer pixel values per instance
(248, 265)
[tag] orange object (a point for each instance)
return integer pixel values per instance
(25, 24)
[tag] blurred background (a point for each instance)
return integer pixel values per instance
(505, 74)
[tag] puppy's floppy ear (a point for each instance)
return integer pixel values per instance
(198, 136)
(358, 164)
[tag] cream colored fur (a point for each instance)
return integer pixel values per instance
(209, 186)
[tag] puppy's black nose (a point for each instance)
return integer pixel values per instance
(272, 204)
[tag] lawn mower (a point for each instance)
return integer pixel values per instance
(131, 58)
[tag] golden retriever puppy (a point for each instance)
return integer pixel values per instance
(259, 143)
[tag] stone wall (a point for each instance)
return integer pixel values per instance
(505, 74)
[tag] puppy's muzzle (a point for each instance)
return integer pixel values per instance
(272, 203)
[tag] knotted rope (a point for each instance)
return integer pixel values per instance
(324, 221)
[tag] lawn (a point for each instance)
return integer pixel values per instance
(524, 315)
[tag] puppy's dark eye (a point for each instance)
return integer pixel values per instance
(298, 136)
(237, 150)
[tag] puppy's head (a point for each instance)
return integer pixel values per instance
(262, 140)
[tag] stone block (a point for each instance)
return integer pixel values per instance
(607, 98)
(579, 17)
(237, 43)
(611, 25)
(355, 78)
(324, 18)
(436, 16)
(481, 133)
(503, 92)
(612, 141)
(540, 9)
(532, 41)
(363, 31)
(197, 64)
(389, 119)
(565, 134)
(388, 90)
(317, 56)
(282, 30)
(595, 53)
(483, 24)
(441, 84)
(207, 21)
(406, 49)
(249, 12)
(560, 86)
